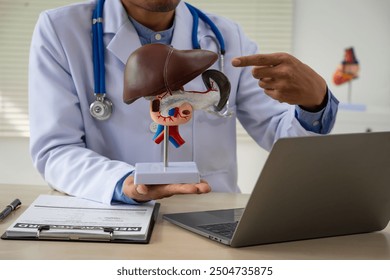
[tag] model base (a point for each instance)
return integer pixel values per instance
(175, 173)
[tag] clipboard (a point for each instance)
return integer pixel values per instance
(27, 228)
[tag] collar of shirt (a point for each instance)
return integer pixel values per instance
(148, 36)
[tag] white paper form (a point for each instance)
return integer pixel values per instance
(67, 215)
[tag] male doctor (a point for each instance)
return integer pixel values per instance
(277, 96)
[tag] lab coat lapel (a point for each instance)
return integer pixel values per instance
(125, 40)
(183, 28)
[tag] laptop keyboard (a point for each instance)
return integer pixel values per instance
(224, 229)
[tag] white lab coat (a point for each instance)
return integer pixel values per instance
(85, 157)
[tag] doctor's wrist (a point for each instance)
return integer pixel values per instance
(137, 193)
(119, 196)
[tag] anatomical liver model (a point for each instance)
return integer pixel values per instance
(158, 73)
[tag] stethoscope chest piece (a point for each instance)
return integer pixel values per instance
(101, 108)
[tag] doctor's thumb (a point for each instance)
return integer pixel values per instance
(141, 189)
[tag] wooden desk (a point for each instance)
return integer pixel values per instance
(171, 242)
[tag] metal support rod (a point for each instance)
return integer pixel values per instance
(166, 138)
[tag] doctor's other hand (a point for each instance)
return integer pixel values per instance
(152, 192)
(286, 79)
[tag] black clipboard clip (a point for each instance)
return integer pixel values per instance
(46, 232)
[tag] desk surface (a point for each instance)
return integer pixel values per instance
(171, 242)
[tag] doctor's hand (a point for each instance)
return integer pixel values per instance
(286, 79)
(152, 192)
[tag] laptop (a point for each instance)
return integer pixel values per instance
(310, 187)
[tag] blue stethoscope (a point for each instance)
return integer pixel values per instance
(101, 108)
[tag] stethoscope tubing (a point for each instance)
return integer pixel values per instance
(98, 49)
(196, 14)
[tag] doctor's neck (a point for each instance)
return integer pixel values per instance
(157, 15)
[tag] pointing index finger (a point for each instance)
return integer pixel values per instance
(257, 60)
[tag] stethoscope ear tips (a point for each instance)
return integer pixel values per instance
(101, 108)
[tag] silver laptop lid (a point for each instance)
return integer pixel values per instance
(322, 186)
